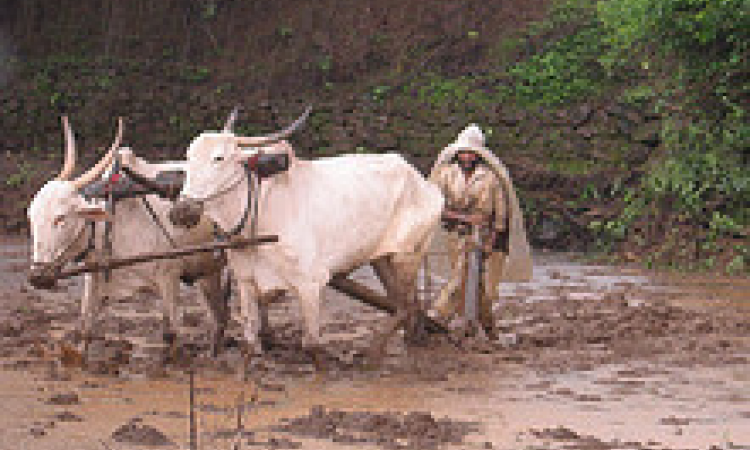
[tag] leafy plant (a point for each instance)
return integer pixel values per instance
(568, 67)
(284, 31)
(325, 63)
(380, 92)
(706, 43)
(196, 74)
(21, 177)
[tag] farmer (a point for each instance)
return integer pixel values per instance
(478, 192)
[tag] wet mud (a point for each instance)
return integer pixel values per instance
(413, 430)
(589, 357)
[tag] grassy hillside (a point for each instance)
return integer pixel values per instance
(621, 134)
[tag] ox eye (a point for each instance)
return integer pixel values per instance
(59, 221)
(218, 158)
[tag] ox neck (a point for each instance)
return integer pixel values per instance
(228, 209)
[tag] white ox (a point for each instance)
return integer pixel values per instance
(60, 220)
(332, 215)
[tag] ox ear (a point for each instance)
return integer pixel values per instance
(249, 153)
(127, 157)
(279, 148)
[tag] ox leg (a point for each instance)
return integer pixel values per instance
(250, 316)
(407, 268)
(214, 294)
(91, 305)
(384, 269)
(309, 298)
(398, 278)
(168, 289)
(265, 327)
(266, 337)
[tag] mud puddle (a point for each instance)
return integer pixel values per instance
(594, 357)
(625, 406)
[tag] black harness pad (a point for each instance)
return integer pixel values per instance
(267, 165)
(121, 186)
(118, 184)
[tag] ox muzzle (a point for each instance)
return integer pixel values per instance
(186, 213)
(43, 275)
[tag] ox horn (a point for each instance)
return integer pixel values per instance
(70, 151)
(229, 124)
(258, 141)
(96, 171)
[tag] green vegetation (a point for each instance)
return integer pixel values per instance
(685, 60)
(625, 122)
(702, 184)
(569, 68)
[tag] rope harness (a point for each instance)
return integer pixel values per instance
(118, 186)
(253, 182)
(156, 220)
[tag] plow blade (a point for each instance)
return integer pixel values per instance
(370, 297)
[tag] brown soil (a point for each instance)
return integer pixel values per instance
(551, 336)
(592, 343)
(566, 332)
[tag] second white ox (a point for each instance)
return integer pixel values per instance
(61, 226)
(332, 215)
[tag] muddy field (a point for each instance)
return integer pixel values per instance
(591, 357)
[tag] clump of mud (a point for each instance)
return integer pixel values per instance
(565, 438)
(137, 433)
(577, 334)
(392, 430)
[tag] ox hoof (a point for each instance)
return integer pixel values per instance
(251, 368)
(364, 362)
(374, 356)
(267, 342)
(416, 331)
(251, 359)
(219, 343)
(319, 358)
(70, 356)
(174, 352)
(370, 364)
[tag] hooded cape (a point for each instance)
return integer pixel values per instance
(518, 265)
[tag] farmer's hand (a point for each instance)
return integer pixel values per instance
(473, 219)
(496, 241)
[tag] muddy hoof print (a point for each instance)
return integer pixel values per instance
(67, 416)
(66, 399)
(37, 431)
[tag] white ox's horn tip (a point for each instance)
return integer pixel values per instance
(96, 171)
(274, 137)
(229, 124)
(70, 151)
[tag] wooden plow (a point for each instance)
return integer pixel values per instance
(48, 278)
(425, 290)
